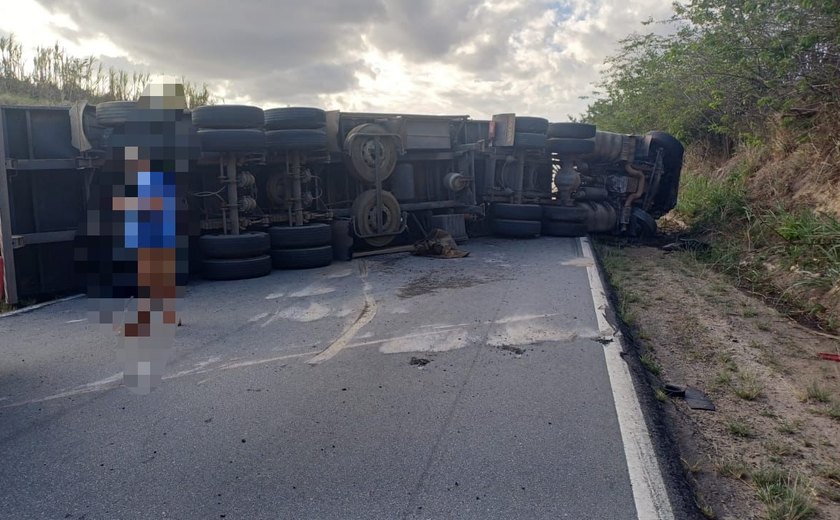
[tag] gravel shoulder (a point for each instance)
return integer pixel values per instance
(770, 450)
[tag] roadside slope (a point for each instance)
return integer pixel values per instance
(769, 451)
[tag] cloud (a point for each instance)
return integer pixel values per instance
(475, 57)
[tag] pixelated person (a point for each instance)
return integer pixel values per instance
(146, 227)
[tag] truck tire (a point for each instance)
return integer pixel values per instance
(529, 140)
(571, 130)
(227, 116)
(114, 113)
(564, 213)
(236, 268)
(566, 146)
(363, 154)
(563, 229)
(531, 125)
(232, 140)
(310, 235)
(517, 211)
(246, 245)
(665, 197)
(296, 139)
(363, 212)
(517, 228)
(642, 225)
(293, 118)
(303, 258)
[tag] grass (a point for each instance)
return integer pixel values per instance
(779, 449)
(745, 236)
(739, 429)
(832, 411)
(748, 386)
(816, 393)
(649, 362)
(790, 427)
(785, 494)
(732, 467)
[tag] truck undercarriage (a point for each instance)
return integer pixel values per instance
(324, 184)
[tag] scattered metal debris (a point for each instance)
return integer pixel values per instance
(420, 362)
(694, 398)
(439, 244)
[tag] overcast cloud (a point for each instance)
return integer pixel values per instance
(424, 56)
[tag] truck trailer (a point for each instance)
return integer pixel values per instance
(300, 187)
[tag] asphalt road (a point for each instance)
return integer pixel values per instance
(391, 387)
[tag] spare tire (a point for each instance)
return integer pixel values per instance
(114, 113)
(296, 139)
(232, 140)
(531, 125)
(303, 258)
(236, 268)
(290, 118)
(517, 228)
(517, 211)
(364, 217)
(565, 146)
(227, 116)
(363, 155)
(245, 245)
(310, 235)
(571, 130)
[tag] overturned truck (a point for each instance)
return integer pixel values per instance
(299, 187)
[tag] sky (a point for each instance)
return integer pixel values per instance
(473, 57)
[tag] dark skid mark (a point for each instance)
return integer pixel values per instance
(432, 282)
(419, 361)
(510, 348)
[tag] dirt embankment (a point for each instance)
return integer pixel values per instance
(772, 214)
(770, 451)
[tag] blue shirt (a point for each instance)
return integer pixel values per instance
(146, 228)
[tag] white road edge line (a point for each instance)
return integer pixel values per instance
(35, 307)
(649, 491)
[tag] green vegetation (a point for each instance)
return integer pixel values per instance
(816, 393)
(786, 495)
(745, 85)
(55, 77)
(739, 429)
(726, 66)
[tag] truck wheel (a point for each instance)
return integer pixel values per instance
(531, 125)
(564, 213)
(517, 211)
(114, 113)
(292, 118)
(517, 228)
(296, 139)
(365, 156)
(232, 140)
(227, 116)
(563, 229)
(364, 217)
(303, 258)
(236, 268)
(642, 225)
(246, 245)
(571, 130)
(310, 235)
(666, 196)
(569, 146)
(528, 140)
